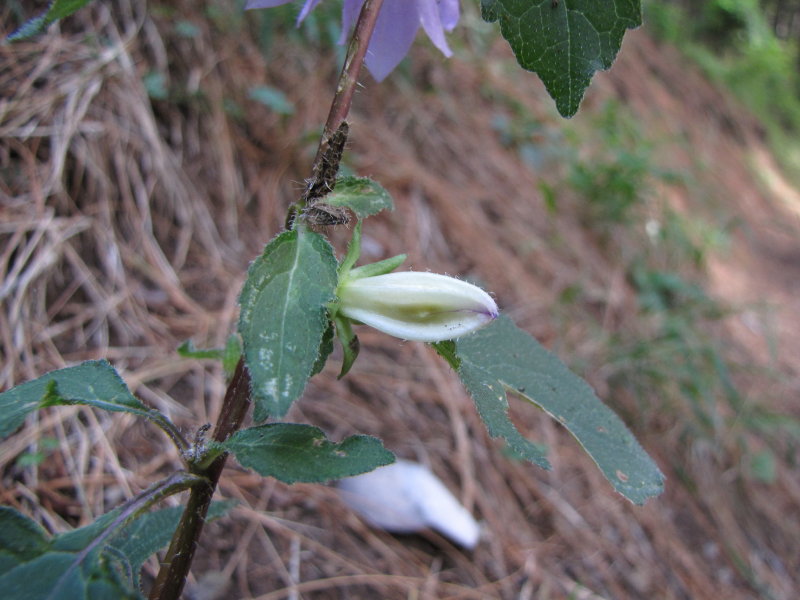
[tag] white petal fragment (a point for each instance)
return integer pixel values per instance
(405, 497)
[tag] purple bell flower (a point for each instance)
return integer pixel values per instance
(395, 29)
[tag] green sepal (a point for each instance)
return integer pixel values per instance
(325, 349)
(353, 252)
(350, 344)
(382, 267)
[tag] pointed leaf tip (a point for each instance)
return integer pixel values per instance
(564, 41)
(503, 358)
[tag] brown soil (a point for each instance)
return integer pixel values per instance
(127, 224)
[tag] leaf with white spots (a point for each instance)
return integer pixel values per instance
(292, 452)
(501, 357)
(283, 317)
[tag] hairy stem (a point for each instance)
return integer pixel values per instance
(334, 135)
(178, 559)
(175, 483)
(175, 566)
(170, 429)
(348, 79)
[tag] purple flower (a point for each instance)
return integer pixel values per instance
(395, 29)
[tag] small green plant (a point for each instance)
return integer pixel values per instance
(298, 297)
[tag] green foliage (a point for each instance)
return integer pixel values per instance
(152, 531)
(671, 361)
(94, 383)
(501, 358)
(50, 576)
(272, 98)
(724, 21)
(229, 355)
(350, 344)
(21, 539)
(611, 187)
(763, 466)
(283, 317)
(362, 195)
(735, 45)
(564, 41)
(57, 10)
(615, 177)
(292, 452)
(155, 84)
(100, 560)
(320, 30)
(45, 447)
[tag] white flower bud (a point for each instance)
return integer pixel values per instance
(426, 307)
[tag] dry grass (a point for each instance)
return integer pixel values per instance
(127, 224)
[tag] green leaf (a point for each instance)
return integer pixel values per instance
(21, 538)
(58, 10)
(292, 452)
(502, 357)
(152, 531)
(51, 576)
(229, 355)
(362, 195)
(128, 548)
(283, 317)
(94, 383)
(78, 539)
(101, 560)
(490, 400)
(564, 41)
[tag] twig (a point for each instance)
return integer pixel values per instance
(334, 135)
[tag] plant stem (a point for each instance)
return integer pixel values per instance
(178, 559)
(348, 79)
(334, 135)
(170, 429)
(175, 483)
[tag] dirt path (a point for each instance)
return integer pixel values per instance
(760, 272)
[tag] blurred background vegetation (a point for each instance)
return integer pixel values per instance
(750, 46)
